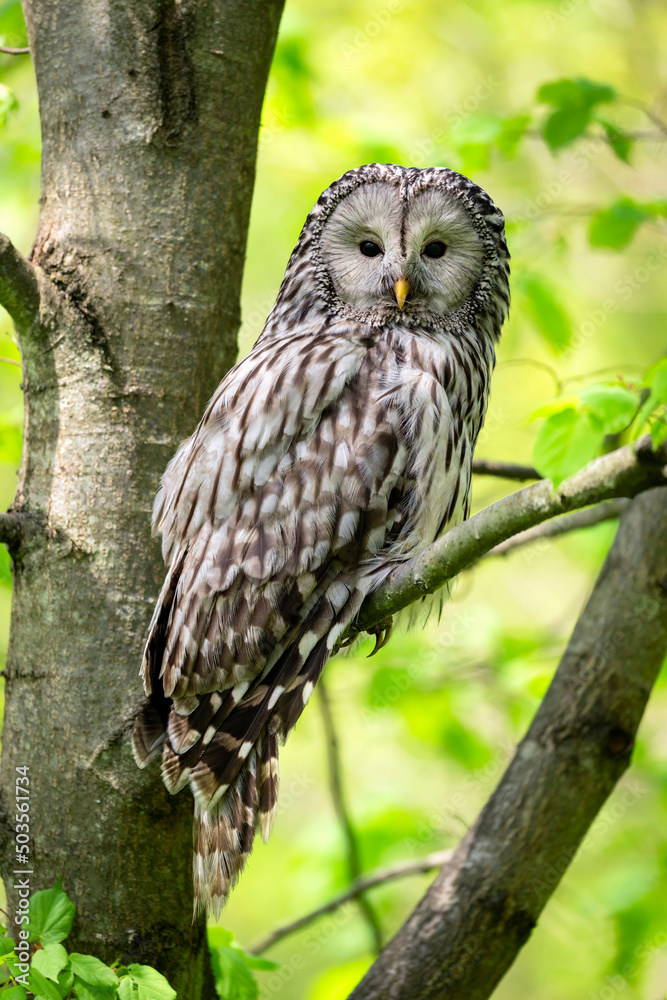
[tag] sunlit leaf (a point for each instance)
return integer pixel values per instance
(92, 970)
(144, 983)
(50, 960)
(14, 993)
(51, 915)
(233, 978)
(42, 987)
(613, 404)
(565, 443)
(615, 226)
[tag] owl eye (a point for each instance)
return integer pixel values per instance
(370, 249)
(435, 249)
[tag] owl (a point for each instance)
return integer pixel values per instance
(340, 446)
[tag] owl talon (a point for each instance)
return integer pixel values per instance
(382, 632)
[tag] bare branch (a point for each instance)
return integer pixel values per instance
(610, 510)
(338, 796)
(504, 470)
(14, 52)
(482, 907)
(401, 869)
(19, 289)
(622, 473)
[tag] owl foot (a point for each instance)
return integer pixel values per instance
(382, 632)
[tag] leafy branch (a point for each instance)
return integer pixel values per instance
(623, 473)
(482, 907)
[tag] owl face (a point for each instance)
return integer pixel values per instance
(389, 249)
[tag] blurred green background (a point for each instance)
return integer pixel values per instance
(428, 725)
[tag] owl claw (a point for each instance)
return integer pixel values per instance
(382, 632)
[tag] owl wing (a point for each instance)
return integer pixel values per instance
(295, 476)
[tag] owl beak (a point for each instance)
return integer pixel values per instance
(401, 289)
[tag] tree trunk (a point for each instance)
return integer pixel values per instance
(150, 111)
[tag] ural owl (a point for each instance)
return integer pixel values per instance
(341, 444)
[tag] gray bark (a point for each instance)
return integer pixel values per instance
(127, 320)
(480, 910)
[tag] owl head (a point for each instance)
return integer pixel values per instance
(391, 244)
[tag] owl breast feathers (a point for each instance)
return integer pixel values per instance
(341, 444)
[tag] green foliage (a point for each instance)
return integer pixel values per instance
(233, 967)
(616, 225)
(574, 101)
(54, 974)
(577, 426)
(8, 103)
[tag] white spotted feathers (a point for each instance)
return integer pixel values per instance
(341, 443)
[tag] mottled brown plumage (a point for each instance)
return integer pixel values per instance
(342, 443)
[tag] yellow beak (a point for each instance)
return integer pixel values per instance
(401, 289)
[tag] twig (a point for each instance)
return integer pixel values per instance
(622, 473)
(10, 361)
(607, 511)
(484, 903)
(401, 869)
(338, 796)
(14, 52)
(504, 470)
(19, 289)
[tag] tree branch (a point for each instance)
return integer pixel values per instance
(14, 52)
(622, 473)
(11, 530)
(609, 510)
(504, 470)
(482, 907)
(336, 783)
(401, 869)
(19, 289)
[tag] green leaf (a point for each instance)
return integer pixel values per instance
(511, 133)
(86, 991)
(144, 983)
(620, 142)
(615, 226)
(233, 978)
(565, 125)
(549, 317)
(257, 962)
(574, 101)
(613, 404)
(15, 993)
(51, 915)
(6, 947)
(8, 103)
(566, 442)
(578, 92)
(50, 960)
(42, 987)
(92, 970)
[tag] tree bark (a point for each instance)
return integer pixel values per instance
(465, 933)
(127, 318)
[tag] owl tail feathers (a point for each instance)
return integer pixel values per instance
(224, 832)
(150, 731)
